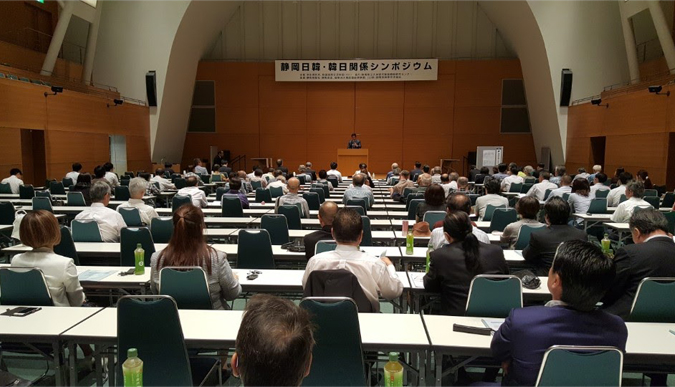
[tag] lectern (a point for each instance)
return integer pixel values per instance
(349, 159)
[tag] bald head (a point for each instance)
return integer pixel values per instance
(293, 184)
(327, 213)
(358, 179)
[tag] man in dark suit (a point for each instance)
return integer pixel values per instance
(308, 170)
(416, 172)
(280, 167)
(326, 215)
(543, 244)
(579, 277)
(354, 143)
(225, 169)
(652, 255)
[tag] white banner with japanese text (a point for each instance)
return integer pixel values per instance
(356, 70)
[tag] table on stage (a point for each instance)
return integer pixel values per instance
(349, 159)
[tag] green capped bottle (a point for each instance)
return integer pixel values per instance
(429, 251)
(606, 243)
(132, 369)
(409, 242)
(393, 371)
(139, 257)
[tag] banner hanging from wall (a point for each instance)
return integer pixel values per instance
(355, 70)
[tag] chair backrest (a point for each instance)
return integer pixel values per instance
(413, 196)
(412, 208)
(668, 200)
(231, 206)
(219, 193)
(653, 200)
(432, 217)
(320, 192)
(581, 366)
(654, 301)
(670, 217)
(66, 247)
(547, 193)
(292, 214)
(276, 192)
(338, 341)
(188, 286)
(566, 196)
(651, 192)
(122, 193)
(254, 250)
(129, 239)
(277, 226)
(26, 192)
(180, 183)
(7, 213)
(502, 217)
(407, 191)
(313, 200)
(5, 188)
(124, 181)
(75, 199)
(494, 295)
(367, 239)
(526, 187)
(256, 184)
(24, 286)
(216, 178)
(206, 179)
(598, 206)
(324, 245)
(131, 216)
(601, 193)
(179, 200)
(263, 195)
(161, 229)
(515, 187)
(43, 194)
(358, 209)
(473, 198)
(524, 236)
(57, 188)
(359, 202)
(333, 180)
(489, 210)
(86, 231)
(622, 198)
(165, 361)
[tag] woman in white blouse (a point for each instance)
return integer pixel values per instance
(40, 230)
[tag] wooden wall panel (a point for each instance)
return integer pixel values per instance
(586, 121)
(637, 112)
(639, 151)
(10, 150)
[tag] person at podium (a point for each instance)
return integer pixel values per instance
(354, 143)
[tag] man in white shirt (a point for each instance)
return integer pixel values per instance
(565, 187)
(436, 177)
(110, 222)
(258, 176)
(292, 197)
(635, 190)
(280, 182)
(192, 189)
(456, 202)
(539, 190)
(492, 197)
(164, 184)
(137, 188)
(199, 168)
(377, 276)
(447, 184)
(358, 191)
(75, 173)
(511, 178)
(581, 174)
(14, 180)
(614, 196)
(110, 175)
(334, 172)
(599, 183)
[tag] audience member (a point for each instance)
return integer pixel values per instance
(40, 231)
(453, 267)
(327, 213)
(599, 184)
(391, 173)
(501, 172)
(540, 169)
(258, 176)
(269, 176)
(192, 189)
(168, 167)
(578, 279)
(334, 172)
(544, 243)
(596, 169)
(246, 185)
(652, 255)
(526, 172)
(424, 175)
(14, 180)
(423, 181)
(403, 183)
(416, 172)
(310, 171)
(538, 191)
(83, 185)
(292, 198)
(581, 174)
(110, 175)
(565, 187)
(199, 168)
(225, 168)
(434, 200)
(358, 191)
(235, 189)
(614, 195)
(511, 179)
(396, 173)
(281, 167)
(164, 184)
(280, 181)
(99, 174)
(110, 222)
(446, 184)
(491, 197)
(72, 175)
(580, 198)
(484, 172)
(456, 202)
(463, 184)
(643, 176)
(528, 209)
(188, 248)
(560, 171)
(323, 179)
(137, 188)
(635, 190)
(375, 275)
(617, 175)
(436, 175)
(274, 344)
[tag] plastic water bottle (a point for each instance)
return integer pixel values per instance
(606, 243)
(409, 242)
(393, 371)
(139, 257)
(132, 369)
(429, 251)
(405, 227)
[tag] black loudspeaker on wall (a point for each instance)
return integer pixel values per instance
(151, 88)
(565, 87)
(471, 158)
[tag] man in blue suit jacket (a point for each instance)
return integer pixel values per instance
(578, 279)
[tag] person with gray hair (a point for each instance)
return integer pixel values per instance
(137, 188)
(110, 222)
(394, 167)
(436, 177)
(635, 190)
(358, 191)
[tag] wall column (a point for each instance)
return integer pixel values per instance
(57, 39)
(663, 32)
(91, 45)
(631, 49)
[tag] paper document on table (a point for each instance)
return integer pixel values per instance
(493, 323)
(94, 275)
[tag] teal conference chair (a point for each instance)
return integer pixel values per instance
(489, 210)
(67, 182)
(130, 238)
(220, 191)
(502, 217)
(131, 216)
(24, 286)
(254, 250)
(277, 227)
(592, 366)
(651, 192)
(432, 217)
(367, 239)
(359, 202)
(622, 199)
(26, 192)
(86, 231)
(231, 206)
(323, 246)
(180, 183)
(654, 301)
(524, 236)
(313, 200)
(668, 200)
(66, 247)
(179, 200)
(338, 341)
(526, 187)
(358, 209)
(188, 286)
(256, 184)
(56, 188)
(122, 193)
(161, 229)
(320, 192)
(548, 192)
(42, 203)
(598, 206)
(412, 209)
(601, 194)
(276, 192)
(516, 187)
(670, 217)
(7, 213)
(263, 195)
(292, 214)
(494, 295)
(75, 199)
(5, 188)
(653, 200)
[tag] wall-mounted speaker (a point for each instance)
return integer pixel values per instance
(565, 87)
(151, 88)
